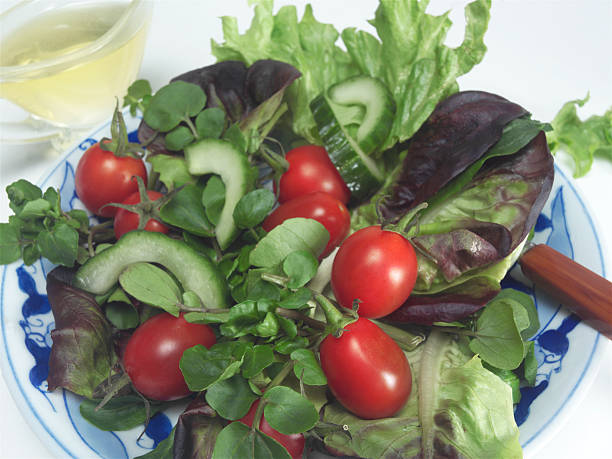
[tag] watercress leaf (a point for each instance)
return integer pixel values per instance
(139, 88)
(210, 123)
(231, 398)
(307, 368)
(530, 364)
(191, 299)
(119, 413)
(213, 198)
(82, 354)
(253, 208)
(60, 244)
(172, 170)
(122, 315)
(80, 216)
(267, 327)
(206, 317)
(526, 301)
(498, 341)
(238, 441)
(243, 258)
(300, 266)
(297, 299)
(174, 103)
(257, 359)
(151, 285)
(185, 211)
(289, 412)
(236, 137)
(196, 430)
(178, 138)
(10, 249)
(288, 326)
(20, 193)
(292, 235)
(34, 209)
(260, 289)
(287, 345)
(203, 367)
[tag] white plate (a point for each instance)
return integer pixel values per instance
(569, 352)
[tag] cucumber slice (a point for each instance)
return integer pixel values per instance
(214, 156)
(194, 271)
(357, 169)
(374, 97)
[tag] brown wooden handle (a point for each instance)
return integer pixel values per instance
(581, 290)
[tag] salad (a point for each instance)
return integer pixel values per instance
(261, 272)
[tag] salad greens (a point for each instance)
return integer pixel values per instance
(463, 175)
(582, 140)
(408, 55)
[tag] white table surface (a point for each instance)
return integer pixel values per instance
(541, 54)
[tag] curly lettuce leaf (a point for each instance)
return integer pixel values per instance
(457, 409)
(582, 140)
(408, 55)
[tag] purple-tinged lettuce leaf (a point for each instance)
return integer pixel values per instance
(453, 304)
(82, 354)
(196, 431)
(459, 131)
(250, 96)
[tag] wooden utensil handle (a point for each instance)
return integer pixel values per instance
(581, 290)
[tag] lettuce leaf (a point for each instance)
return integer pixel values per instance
(457, 409)
(408, 55)
(582, 140)
(82, 355)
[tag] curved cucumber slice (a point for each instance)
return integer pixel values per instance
(195, 272)
(371, 94)
(214, 156)
(357, 169)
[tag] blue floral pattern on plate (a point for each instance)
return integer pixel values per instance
(26, 322)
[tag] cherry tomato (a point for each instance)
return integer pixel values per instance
(376, 267)
(366, 370)
(153, 353)
(102, 178)
(322, 207)
(310, 170)
(126, 221)
(294, 443)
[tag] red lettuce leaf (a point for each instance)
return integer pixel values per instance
(458, 132)
(82, 354)
(196, 430)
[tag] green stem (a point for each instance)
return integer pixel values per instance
(454, 331)
(332, 313)
(254, 234)
(278, 280)
(123, 381)
(296, 315)
(191, 127)
(279, 378)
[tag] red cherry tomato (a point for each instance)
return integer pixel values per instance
(310, 170)
(322, 207)
(126, 221)
(366, 370)
(294, 443)
(102, 178)
(376, 267)
(153, 353)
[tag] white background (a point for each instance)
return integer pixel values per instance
(541, 54)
